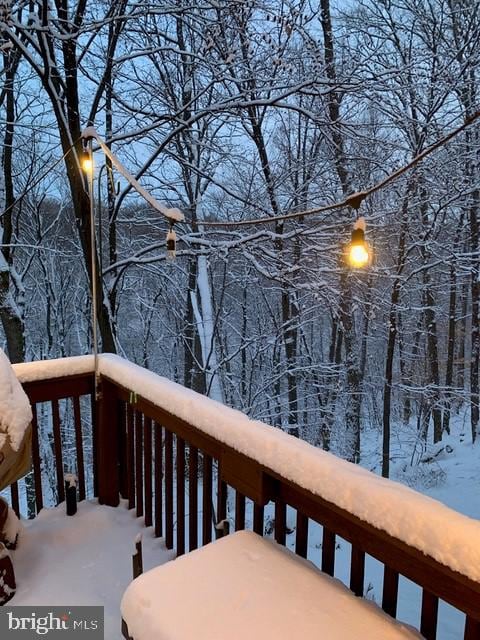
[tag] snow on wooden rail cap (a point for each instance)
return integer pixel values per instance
(421, 522)
(58, 368)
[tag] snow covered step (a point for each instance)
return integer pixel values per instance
(244, 586)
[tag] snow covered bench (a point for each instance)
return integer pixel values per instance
(245, 586)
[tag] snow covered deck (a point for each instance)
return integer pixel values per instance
(186, 464)
(412, 517)
(85, 559)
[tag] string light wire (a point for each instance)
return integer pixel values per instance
(356, 199)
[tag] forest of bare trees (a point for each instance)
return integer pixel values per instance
(233, 110)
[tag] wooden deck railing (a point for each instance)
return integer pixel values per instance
(178, 477)
(45, 397)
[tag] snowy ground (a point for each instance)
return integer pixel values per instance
(82, 560)
(451, 472)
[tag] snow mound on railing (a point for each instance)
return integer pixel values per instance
(421, 522)
(15, 410)
(58, 368)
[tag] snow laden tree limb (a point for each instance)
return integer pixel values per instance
(171, 214)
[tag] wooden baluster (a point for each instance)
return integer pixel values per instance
(57, 442)
(147, 468)
(258, 518)
(137, 559)
(239, 511)
(93, 409)
(207, 499)
(130, 457)
(222, 490)
(107, 442)
(139, 463)
(192, 498)
(71, 494)
(390, 591)
(37, 469)
(77, 419)
(14, 498)
(158, 480)
(472, 629)
(168, 489)
(180, 496)
(328, 552)
(357, 571)
(429, 617)
(122, 448)
(301, 537)
(280, 521)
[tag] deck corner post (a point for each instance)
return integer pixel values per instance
(108, 446)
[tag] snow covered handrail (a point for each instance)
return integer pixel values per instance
(46, 370)
(411, 534)
(49, 382)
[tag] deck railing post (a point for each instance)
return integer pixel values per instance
(108, 446)
(71, 494)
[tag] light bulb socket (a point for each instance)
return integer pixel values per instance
(358, 236)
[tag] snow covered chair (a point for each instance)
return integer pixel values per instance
(9, 525)
(9, 528)
(8, 586)
(245, 586)
(15, 426)
(15, 461)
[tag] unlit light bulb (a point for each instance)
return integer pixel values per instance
(171, 244)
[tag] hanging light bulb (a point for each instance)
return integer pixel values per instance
(358, 253)
(86, 162)
(171, 243)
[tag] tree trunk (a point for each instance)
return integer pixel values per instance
(475, 293)
(194, 377)
(392, 329)
(10, 313)
(430, 328)
(452, 324)
(353, 378)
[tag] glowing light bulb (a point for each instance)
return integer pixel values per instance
(358, 255)
(87, 165)
(86, 162)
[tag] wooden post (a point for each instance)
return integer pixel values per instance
(108, 449)
(137, 559)
(222, 529)
(71, 494)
